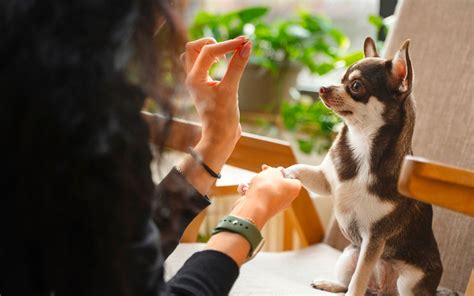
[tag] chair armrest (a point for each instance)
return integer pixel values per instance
(438, 184)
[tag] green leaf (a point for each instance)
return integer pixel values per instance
(252, 13)
(376, 21)
(306, 146)
(312, 121)
(352, 58)
(298, 32)
(324, 68)
(341, 39)
(203, 18)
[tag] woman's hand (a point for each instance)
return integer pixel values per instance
(216, 104)
(268, 193)
(216, 101)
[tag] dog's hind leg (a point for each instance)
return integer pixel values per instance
(418, 282)
(345, 267)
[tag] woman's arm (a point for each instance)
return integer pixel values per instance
(181, 196)
(213, 272)
(216, 104)
(268, 194)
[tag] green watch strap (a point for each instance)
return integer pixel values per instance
(243, 227)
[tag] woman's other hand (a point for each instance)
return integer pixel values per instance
(268, 193)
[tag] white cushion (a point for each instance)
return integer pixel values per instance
(282, 273)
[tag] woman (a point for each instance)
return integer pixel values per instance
(79, 212)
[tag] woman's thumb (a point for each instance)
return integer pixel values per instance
(295, 185)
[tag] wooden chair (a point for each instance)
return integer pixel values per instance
(441, 51)
(445, 186)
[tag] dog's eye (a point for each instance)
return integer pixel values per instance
(356, 86)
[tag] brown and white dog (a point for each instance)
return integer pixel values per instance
(393, 248)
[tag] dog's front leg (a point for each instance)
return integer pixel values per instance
(312, 177)
(370, 252)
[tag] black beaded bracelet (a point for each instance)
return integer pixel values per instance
(199, 160)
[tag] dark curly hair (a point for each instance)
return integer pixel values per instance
(76, 181)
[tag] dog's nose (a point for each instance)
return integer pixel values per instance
(323, 89)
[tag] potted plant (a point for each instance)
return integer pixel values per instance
(281, 49)
(313, 125)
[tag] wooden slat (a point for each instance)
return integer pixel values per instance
(470, 285)
(441, 172)
(287, 232)
(191, 232)
(250, 153)
(223, 190)
(306, 220)
(182, 133)
(438, 184)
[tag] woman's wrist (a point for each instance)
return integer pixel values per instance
(214, 155)
(221, 136)
(252, 211)
(233, 245)
(216, 149)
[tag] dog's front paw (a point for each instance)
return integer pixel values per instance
(292, 171)
(328, 286)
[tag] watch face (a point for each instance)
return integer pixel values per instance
(257, 249)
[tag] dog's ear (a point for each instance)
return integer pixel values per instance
(401, 69)
(369, 48)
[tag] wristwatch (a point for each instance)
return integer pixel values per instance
(245, 228)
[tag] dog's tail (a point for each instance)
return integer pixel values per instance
(446, 292)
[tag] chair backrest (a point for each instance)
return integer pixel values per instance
(442, 37)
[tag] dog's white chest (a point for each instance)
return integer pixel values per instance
(353, 201)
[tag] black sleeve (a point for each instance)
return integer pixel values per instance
(176, 204)
(206, 273)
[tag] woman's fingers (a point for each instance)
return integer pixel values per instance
(209, 54)
(193, 49)
(294, 183)
(236, 67)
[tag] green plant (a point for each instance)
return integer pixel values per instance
(312, 123)
(381, 27)
(307, 39)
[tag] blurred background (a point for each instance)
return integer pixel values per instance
(298, 46)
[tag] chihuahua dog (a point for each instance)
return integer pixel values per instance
(393, 249)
